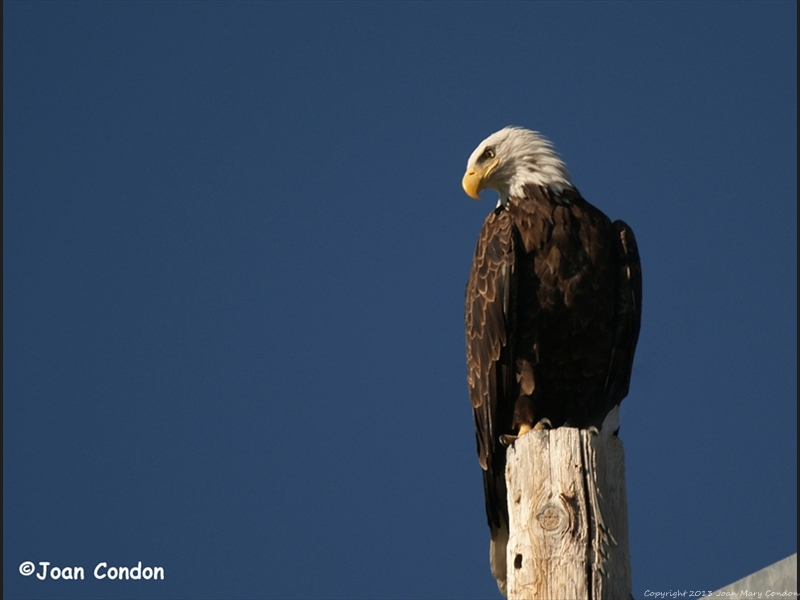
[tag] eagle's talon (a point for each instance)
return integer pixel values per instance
(543, 424)
(507, 440)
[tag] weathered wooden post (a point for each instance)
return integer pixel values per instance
(568, 516)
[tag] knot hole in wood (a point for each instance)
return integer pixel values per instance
(551, 517)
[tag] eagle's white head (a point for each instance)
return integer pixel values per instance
(509, 160)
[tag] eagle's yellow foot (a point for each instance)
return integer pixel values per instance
(542, 425)
(524, 428)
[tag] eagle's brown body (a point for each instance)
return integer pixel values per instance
(553, 306)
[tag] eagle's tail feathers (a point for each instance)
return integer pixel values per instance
(497, 556)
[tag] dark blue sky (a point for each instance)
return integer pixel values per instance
(235, 251)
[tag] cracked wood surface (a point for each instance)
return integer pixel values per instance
(567, 516)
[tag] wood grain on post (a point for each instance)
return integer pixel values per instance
(568, 517)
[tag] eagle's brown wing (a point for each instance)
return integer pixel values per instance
(628, 314)
(490, 373)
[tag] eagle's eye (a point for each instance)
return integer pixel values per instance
(487, 154)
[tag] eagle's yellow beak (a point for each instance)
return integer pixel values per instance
(475, 177)
(472, 183)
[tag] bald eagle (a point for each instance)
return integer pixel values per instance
(553, 307)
